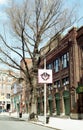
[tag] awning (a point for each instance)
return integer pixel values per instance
(57, 96)
(50, 97)
(79, 89)
(66, 94)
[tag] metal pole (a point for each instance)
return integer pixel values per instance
(44, 95)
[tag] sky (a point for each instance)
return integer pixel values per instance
(79, 7)
(77, 3)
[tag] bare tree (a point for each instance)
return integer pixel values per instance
(34, 23)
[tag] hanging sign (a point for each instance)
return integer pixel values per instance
(44, 76)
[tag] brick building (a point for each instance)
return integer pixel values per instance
(65, 95)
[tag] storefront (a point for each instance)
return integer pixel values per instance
(66, 96)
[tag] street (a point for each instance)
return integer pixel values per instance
(8, 123)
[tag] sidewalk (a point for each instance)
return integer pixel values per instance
(15, 115)
(54, 122)
(58, 123)
(63, 124)
(25, 116)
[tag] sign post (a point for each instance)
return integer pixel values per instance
(45, 95)
(45, 76)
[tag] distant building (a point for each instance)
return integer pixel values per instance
(19, 96)
(5, 89)
(16, 96)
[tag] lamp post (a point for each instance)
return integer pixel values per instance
(44, 95)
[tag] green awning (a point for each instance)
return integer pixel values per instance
(79, 89)
(50, 97)
(57, 96)
(66, 94)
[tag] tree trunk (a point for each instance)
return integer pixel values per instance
(34, 95)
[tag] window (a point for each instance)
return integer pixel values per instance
(49, 66)
(65, 81)
(56, 65)
(9, 79)
(3, 78)
(57, 84)
(8, 87)
(8, 95)
(65, 60)
(50, 87)
(2, 94)
(4, 102)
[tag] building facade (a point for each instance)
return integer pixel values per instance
(16, 96)
(5, 90)
(65, 94)
(20, 93)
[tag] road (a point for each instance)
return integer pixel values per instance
(8, 123)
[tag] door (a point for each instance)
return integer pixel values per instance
(67, 106)
(80, 103)
(50, 106)
(38, 109)
(58, 107)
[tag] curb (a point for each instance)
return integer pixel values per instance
(33, 122)
(17, 118)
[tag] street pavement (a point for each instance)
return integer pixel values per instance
(10, 123)
(54, 122)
